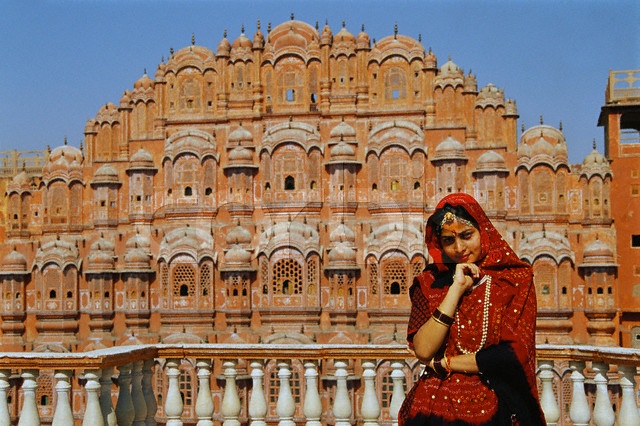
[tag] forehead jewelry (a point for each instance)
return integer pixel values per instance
(449, 218)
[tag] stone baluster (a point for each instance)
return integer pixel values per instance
(204, 401)
(147, 390)
(124, 407)
(370, 409)
(5, 416)
(257, 402)
(628, 415)
(106, 403)
(92, 411)
(230, 401)
(137, 396)
(173, 404)
(29, 414)
(580, 412)
(285, 407)
(397, 397)
(603, 414)
(342, 403)
(312, 407)
(63, 415)
(548, 399)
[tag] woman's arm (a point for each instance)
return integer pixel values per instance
(430, 337)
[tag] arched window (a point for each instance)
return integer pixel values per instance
(188, 192)
(289, 183)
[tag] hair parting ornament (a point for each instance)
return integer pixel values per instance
(450, 217)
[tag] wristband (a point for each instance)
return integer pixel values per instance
(442, 318)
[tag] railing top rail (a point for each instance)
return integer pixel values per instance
(120, 355)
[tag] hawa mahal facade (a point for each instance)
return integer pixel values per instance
(275, 190)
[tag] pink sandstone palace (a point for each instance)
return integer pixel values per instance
(275, 189)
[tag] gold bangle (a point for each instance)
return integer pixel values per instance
(439, 321)
(446, 319)
(447, 364)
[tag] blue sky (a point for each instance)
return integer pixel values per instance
(62, 60)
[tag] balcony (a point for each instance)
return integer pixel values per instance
(287, 385)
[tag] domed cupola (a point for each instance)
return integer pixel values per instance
(106, 174)
(236, 255)
(449, 149)
(125, 99)
(542, 147)
(242, 47)
(143, 83)
(344, 36)
(20, 183)
(327, 36)
(470, 83)
(363, 41)
(595, 164)
(258, 38)
(239, 235)
(64, 162)
(224, 47)
(491, 162)
(343, 131)
(449, 74)
(342, 143)
(160, 71)
(598, 254)
(342, 233)
(524, 151)
(490, 95)
(14, 263)
(141, 160)
(240, 136)
(138, 255)
(342, 254)
(101, 256)
(430, 60)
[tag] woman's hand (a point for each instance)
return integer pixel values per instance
(465, 277)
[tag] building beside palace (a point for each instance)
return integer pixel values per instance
(275, 189)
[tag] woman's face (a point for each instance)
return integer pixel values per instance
(460, 242)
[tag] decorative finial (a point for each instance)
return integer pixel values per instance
(242, 29)
(560, 125)
(224, 34)
(269, 27)
(317, 26)
(594, 144)
(258, 25)
(522, 127)
(395, 30)
(171, 51)
(344, 24)
(541, 120)
(292, 16)
(145, 71)
(362, 27)
(420, 38)
(193, 39)
(65, 139)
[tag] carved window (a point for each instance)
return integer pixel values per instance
(184, 280)
(373, 277)
(287, 277)
(205, 279)
(44, 391)
(394, 278)
(395, 84)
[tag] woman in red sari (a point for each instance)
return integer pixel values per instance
(472, 324)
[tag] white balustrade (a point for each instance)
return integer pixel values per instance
(397, 397)
(147, 390)
(312, 407)
(29, 415)
(137, 396)
(136, 404)
(285, 406)
(603, 414)
(370, 409)
(173, 405)
(5, 417)
(63, 415)
(92, 412)
(628, 415)
(548, 400)
(231, 401)
(579, 412)
(204, 402)
(124, 407)
(342, 403)
(106, 402)
(257, 403)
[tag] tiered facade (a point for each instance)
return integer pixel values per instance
(276, 190)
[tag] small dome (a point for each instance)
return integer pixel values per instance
(224, 47)
(137, 258)
(430, 60)
(343, 131)
(21, 179)
(342, 253)
(237, 255)
(342, 150)
(143, 82)
(240, 154)
(598, 249)
(542, 147)
(450, 149)
(106, 174)
(560, 150)
(141, 159)
(595, 159)
(344, 36)
(524, 150)
(242, 42)
(363, 40)
(239, 235)
(258, 38)
(14, 262)
(138, 241)
(450, 69)
(240, 135)
(327, 35)
(342, 233)
(491, 161)
(125, 99)
(291, 39)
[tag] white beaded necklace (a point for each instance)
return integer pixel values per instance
(485, 319)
